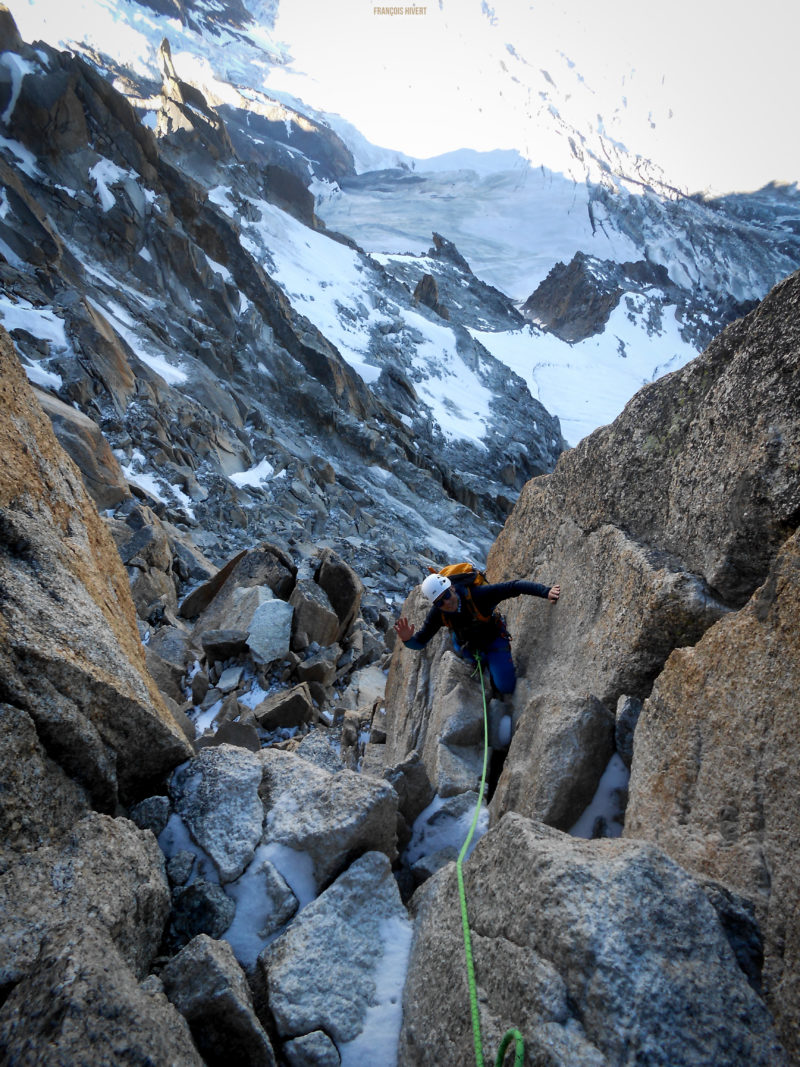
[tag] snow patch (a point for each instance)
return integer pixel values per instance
(17, 68)
(255, 476)
(607, 803)
(379, 1039)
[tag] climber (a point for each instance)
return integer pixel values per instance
(468, 612)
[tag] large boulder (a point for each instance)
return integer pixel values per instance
(70, 653)
(314, 615)
(146, 550)
(217, 796)
(269, 632)
(207, 986)
(716, 769)
(566, 739)
(601, 952)
(331, 817)
(286, 708)
(325, 972)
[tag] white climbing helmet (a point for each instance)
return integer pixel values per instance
(434, 585)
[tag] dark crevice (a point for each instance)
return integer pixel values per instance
(497, 761)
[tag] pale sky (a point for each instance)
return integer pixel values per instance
(426, 84)
(706, 88)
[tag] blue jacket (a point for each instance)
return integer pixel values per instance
(468, 631)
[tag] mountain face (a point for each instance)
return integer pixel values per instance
(140, 283)
(266, 388)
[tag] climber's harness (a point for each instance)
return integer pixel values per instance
(480, 629)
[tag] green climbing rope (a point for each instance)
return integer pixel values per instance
(511, 1035)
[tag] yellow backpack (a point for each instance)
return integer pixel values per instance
(465, 575)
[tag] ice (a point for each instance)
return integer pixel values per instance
(26, 160)
(47, 379)
(101, 174)
(38, 321)
(175, 838)
(588, 384)
(297, 870)
(254, 909)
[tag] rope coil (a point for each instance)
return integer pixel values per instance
(511, 1035)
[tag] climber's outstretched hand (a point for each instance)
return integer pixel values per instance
(404, 629)
(554, 594)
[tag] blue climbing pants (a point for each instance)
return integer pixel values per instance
(497, 657)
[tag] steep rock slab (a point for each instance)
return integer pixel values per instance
(82, 440)
(716, 769)
(39, 804)
(70, 652)
(551, 771)
(324, 972)
(601, 952)
(108, 875)
(332, 817)
(83, 1005)
(217, 796)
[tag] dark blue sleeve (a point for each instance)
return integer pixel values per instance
(487, 597)
(431, 626)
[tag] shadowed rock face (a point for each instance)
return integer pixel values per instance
(71, 656)
(716, 776)
(699, 465)
(657, 525)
